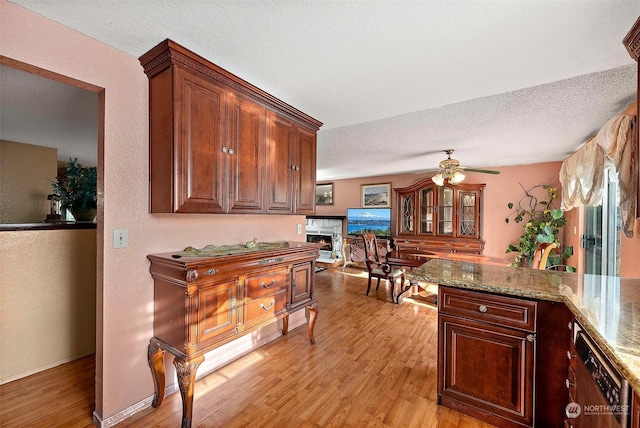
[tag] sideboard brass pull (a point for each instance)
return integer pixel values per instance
(266, 308)
(265, 285)
(210, 272)
(266, 261)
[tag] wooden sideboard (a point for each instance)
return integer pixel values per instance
(203, 302)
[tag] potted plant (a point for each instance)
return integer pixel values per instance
(541, 222)
(77, 190)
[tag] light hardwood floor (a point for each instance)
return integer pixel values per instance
(374, 365)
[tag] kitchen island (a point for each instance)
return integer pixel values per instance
(607, 307)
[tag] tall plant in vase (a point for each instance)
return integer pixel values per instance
(541, 222)
(77, 190)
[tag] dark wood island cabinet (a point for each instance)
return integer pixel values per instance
(203, 302)
(520, 347)
(498, 355)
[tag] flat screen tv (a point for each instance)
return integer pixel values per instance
(369, 220)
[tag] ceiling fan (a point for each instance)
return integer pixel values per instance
(451, 170)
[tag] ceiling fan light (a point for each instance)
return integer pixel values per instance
(457, 178)
(438, 179)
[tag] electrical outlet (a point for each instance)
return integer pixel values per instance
(120, 238)
(299, 229)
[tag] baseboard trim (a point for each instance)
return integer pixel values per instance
(203, 371)
(45, 367)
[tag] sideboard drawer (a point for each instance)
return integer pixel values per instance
(267, 306)
(500, 310)
(266, 283)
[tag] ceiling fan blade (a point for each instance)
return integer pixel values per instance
(483, 171)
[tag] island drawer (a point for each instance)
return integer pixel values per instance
(266, 283)
(490, 308)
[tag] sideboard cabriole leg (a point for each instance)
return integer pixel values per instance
(156, 363)
(313, 314)
(285, 325)
(186, 371)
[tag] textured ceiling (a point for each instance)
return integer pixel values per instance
(502, 82)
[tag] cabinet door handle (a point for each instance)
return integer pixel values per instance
(230, 151)
(482, 308)
(266, 308)
(531, 337)
(569, 384)
(224, 149)
(265, 285)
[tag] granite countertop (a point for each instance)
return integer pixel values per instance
(607, 307)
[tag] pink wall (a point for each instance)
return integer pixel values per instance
(630, 250)
(124, 286)
(499, 191)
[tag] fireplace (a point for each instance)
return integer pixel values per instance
(326, 231)
(325, 240)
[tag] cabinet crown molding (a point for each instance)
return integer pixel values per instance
(168, 53)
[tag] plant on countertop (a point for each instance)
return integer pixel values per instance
(541, 222)
(77, 188)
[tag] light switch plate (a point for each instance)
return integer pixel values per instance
(120, 238)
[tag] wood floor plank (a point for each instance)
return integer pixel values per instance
(373, 365)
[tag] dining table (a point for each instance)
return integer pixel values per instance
(409, 259)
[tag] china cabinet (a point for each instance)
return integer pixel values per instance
(439, 218)
(218, 144)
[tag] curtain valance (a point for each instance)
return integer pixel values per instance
(581, 174)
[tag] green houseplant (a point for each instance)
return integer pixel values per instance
(77, 190)
(541, 222)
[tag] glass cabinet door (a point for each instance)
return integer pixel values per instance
(426, 210)
(445, 215)
(467, 224)
(406, 214)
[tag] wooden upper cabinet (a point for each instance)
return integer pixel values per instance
(221, 145)
(305, 171)
(280, 158)
(439, 218)
(247, 142)
(197, 124)
(291, 167)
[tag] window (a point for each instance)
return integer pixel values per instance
(603, 224)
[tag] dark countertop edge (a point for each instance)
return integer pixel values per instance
(47, 226)
(632, 376)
